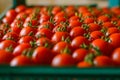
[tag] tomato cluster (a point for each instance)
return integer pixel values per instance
(60, 36)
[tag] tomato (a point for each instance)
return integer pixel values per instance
(82, 9)
(11, 13)
(5, 57)
(7, 43)
(89, 20)
(57, 37)
(102, 45)
(4, 27)
(44, 32)
(78, 41)
(93, 27)
(112, 30)
(20, 8)
(27, 31)
(26, 39)
(22, 16)
(56, 10)
(70, 11)
(19, 49)
(74, 18)
(96, 35)
(11, 36)
(116, 56)
(48, 25)
(28, 10)
(21, 60)
(108, 25)
(79, 54)
(77, 31)
(74, 24)
(102, 61)
(42, 56)
(45, 42)
(60, 47)
(87, 15)
(103, 18)
(62, 60)
(115, 40)
(7, 20)
(44, 18)
(83, 64)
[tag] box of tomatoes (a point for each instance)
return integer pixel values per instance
(59, 42)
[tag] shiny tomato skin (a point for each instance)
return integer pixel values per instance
(19, 49)
(21, 60)
(79, 54)
(62, 60)
(116, 56)
(11, 13)
(5, 57)
(112, 30)
(84, 64)
(25, 39)
(42, 56)
(93, 27)
(102, 61)
(20, 8)
(78, 41)
(7, 43)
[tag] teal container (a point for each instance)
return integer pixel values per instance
(52, 73)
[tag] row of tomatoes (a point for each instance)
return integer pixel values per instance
(59, 36)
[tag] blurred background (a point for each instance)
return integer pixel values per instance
(101, 3)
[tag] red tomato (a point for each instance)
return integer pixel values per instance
(74, 24)
(60, 47)
(56, 10)
(102, 45)
(7, 20)
(44, 42)
(21, 60)
(103, 18)
(42, 56)
(20, 8)
(44, 18)
(22, 16)
(27, 31)
(89, 20)
(102, 61)
(93, 27)
(19, 49)
(83, 64)
(57, 37)
(26, 39)
(79, 54)
(78, 41)
(44, 32)
(11, 13)
(11, 36)
(5, 57)
(112, 30)
(108, 25)
(62, 60)
(77, 31)
(74, 18)
(7, 43)
(115, 40)
(116, 56)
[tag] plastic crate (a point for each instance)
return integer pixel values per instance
(50, 73)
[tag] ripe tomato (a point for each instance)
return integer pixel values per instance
(93, 27)
(77, 31)
(5, 57)
(62, 60)
(83, 64)
(108, 25)
(57, 37)
(44, 42)
(73, 24)
(79, 54)
(44, 32)
(27, 31)
(89, 20)
(7, 20)
(21, 60)
(20, 8)
(7, 43)
(101, 45)
(74, 18)
(78, 41)
(115, 40)
(103, 18)
(42, 56)
(19, 49)
(11, 36)
(22, 16)
(11, 13)
(96, 35)
(112, 30)
(25, 39)
(116, 56)
(56, 10)
(102, 61)
(44, 18)
(60, 47)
